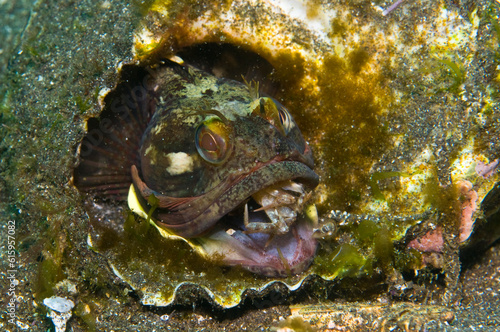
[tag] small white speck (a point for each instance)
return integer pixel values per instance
(106, 4)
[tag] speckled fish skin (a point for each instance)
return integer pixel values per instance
(195, 194)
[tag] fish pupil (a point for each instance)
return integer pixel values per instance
(212, 141)
(284, 119)
(209, 143)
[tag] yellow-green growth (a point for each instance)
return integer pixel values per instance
(378, 239)
(443, 198)
(357, 59)
(296, 324)
(384, 248)
(253, 88)
(445, 62)
(50, 270)
(84, 312)
(377, 176)
(142, 7)
(365, 232)
(153, 202)
(136, 227)
(457, 72)
(83, 104)
(345, 261)
(496, 27)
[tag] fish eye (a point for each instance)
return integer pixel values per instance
(285, 119)
(275, 113)
(212, 140)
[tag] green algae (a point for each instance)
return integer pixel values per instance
(345, 261)
(383, 248)
(49, 274)
(296, 324)
(153, 202)
(357, 59)
(443, 198)
(50, 269)
(83, 104)
(377, 238)
(370, 248)
(142, 7)
(349, 118)
(85, 312)
(339, 28)
(365, 232)
(290, 68)
(457, 73)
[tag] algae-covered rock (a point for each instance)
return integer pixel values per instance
(400, 108)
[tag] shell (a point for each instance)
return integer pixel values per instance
(405, 143)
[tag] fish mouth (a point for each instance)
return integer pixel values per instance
(254, 220)
(274, 239)
(267, 232)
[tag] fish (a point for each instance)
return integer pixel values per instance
(206, 159)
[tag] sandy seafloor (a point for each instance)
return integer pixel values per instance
(53, 53)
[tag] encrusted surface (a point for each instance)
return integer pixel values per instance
(401, 110)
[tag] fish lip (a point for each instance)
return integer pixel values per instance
(308, 176)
